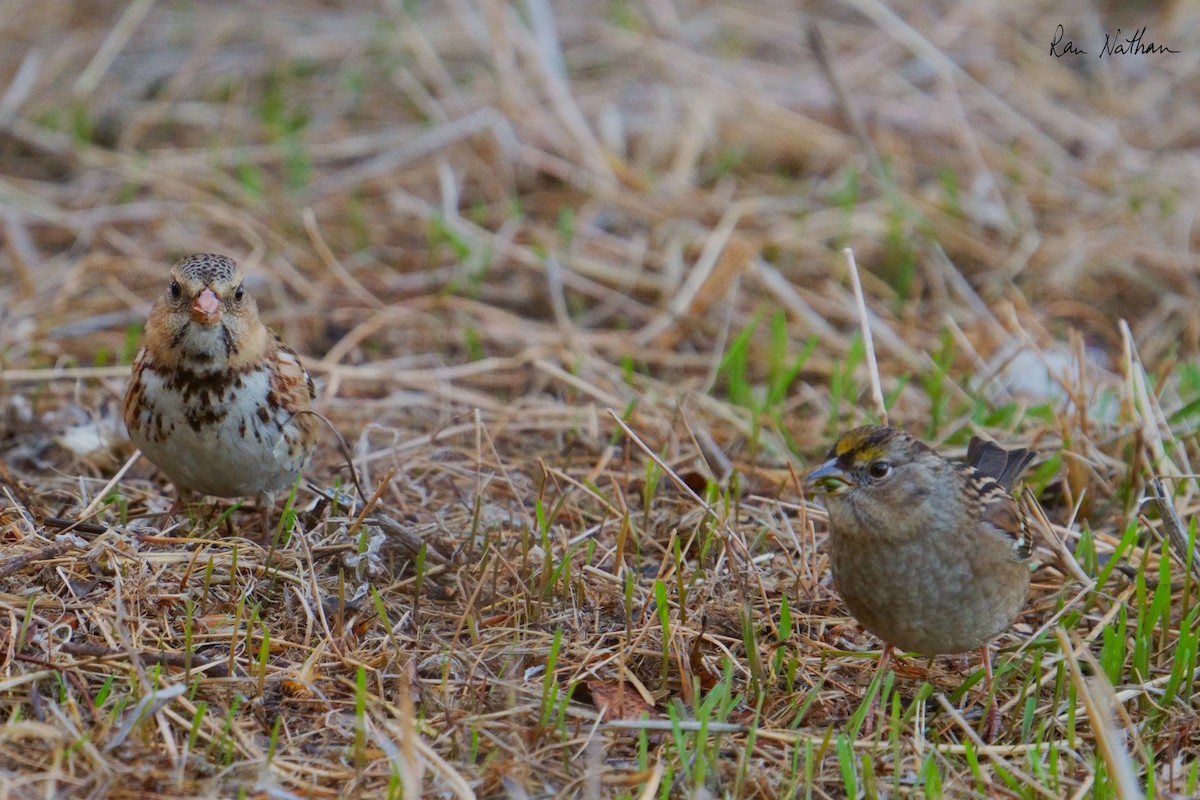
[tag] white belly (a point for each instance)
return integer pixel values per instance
(220, 446)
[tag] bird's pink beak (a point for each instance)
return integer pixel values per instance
(206, 308)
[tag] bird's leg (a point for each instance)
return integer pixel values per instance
(885, 658)
(991, 716)
(169, 517)
(266, 505)
(181, 498)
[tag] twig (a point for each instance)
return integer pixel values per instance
(11, 566)
(864, 321)
(98, 500)
(1035, 512)
(63, 524)
(116, 40)
(1176, 536)
(1098, 701)
(854, 117)
(409, 540)
(335, 267)
(213, 667)
(343, 447)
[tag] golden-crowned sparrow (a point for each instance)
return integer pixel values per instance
(929, 554)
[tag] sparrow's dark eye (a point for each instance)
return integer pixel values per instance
(176, 290)
(880, 469)
(239, 293)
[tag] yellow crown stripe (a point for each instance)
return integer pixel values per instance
(863, 444)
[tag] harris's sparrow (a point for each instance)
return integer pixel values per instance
(217, 401)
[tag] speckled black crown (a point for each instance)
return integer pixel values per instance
(207, 268)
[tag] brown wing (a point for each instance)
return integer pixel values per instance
(999, 509)
(290, 358)
(1002, 511)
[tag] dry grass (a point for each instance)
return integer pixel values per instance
(570, 279)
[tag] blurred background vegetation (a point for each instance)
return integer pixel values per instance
(486, 225)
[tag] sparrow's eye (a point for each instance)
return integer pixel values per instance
(176, 290)
(239, 293)
(879, 470)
